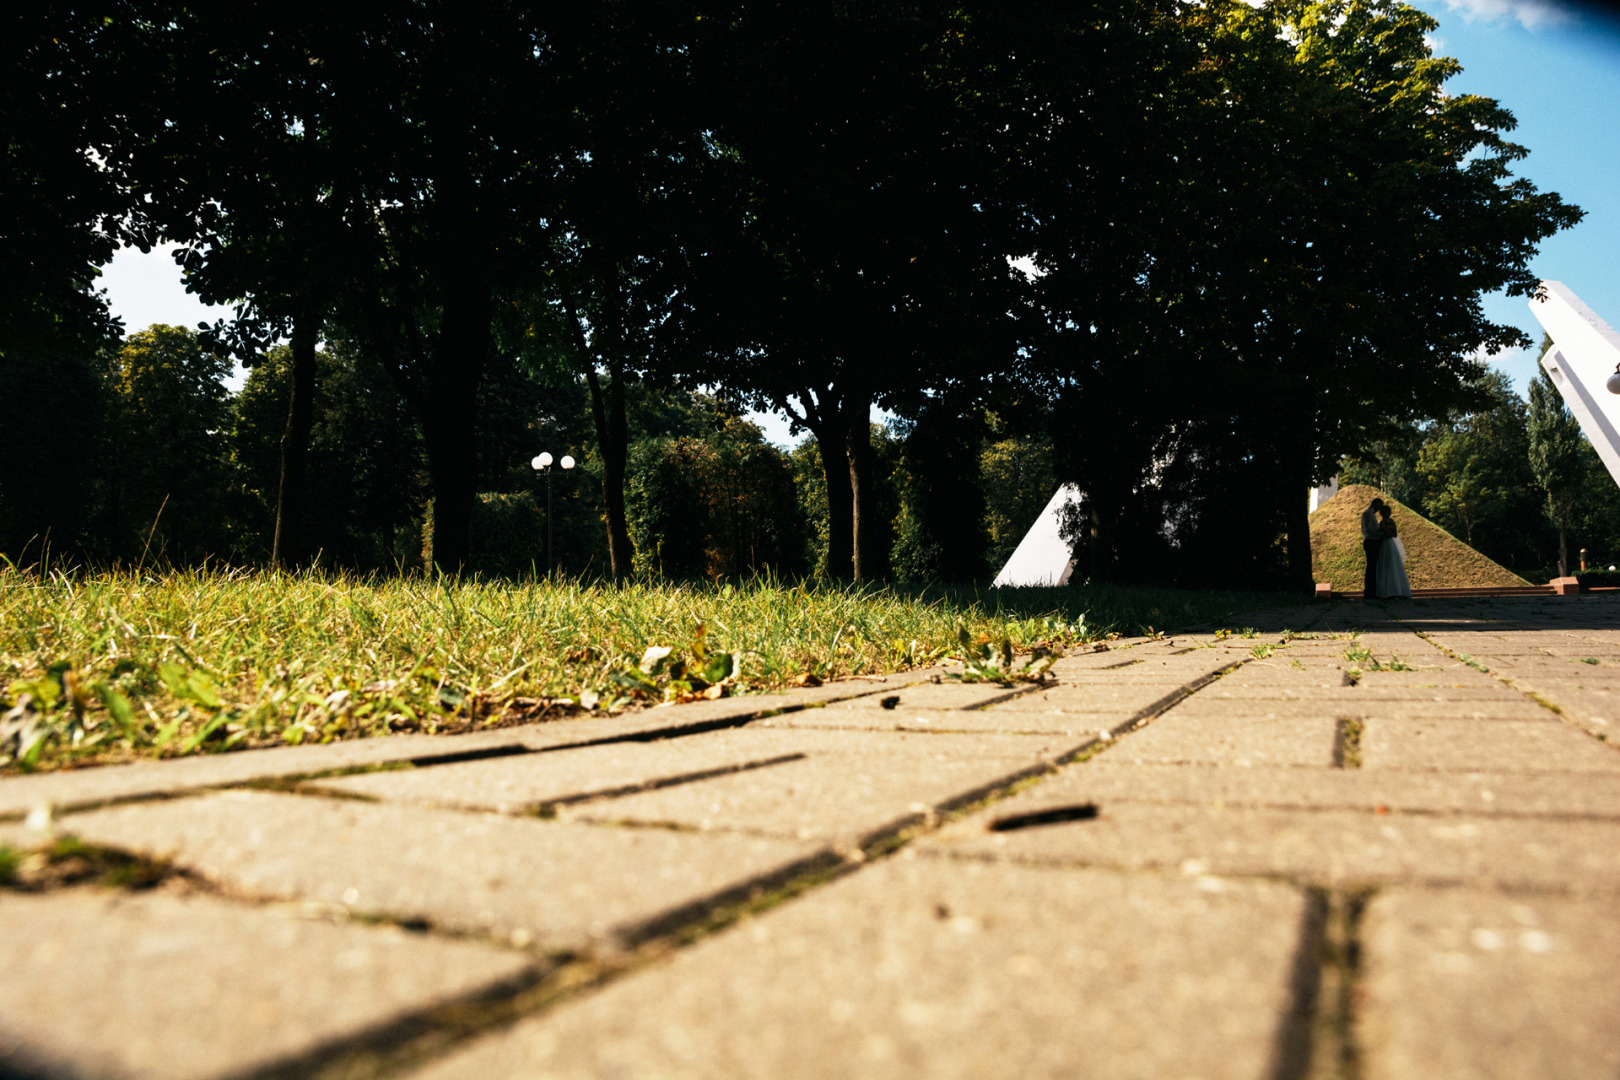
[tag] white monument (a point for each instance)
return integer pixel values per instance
(1043, 557)
(1584, 363)
(1322, 494)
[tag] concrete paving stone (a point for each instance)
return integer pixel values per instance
(1138, 660)
(1355, 694)
(1314, 673)
(1475, 986)
(518, 783)
(1555, 684)
(1331, 846)
(1596, 714)
(995, 720)
(1065, 697)
(1120, 701)
(94, 786)
(948, 694)
(564, 886)
(923, 969)
(1500, 745)
(1530, 666)
(1449, 676)
(19, 794)
(1576, 650)
(1239, 741)
(103, 984)
(1165, 675)
(837, 798)
(1200, 707)
(1416, 709)
(1110, 778)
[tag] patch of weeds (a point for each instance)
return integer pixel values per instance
(70, 861)
(1262, 651)
(1590, 660)
(1471, 662)
(1296, 665)
(1357, 653)
(983, 662)
(663, 675)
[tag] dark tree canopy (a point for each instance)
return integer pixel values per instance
(1256, 241)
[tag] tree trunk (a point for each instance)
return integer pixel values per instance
(287, 549)
(1295, 459)
(1563, 542)
(449, 420)
(612, 434)
(1298, 517)
(867, 563)
(835, 466)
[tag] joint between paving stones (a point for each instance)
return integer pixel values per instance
(1347, 743)
(549, 808)
(1316, 1039)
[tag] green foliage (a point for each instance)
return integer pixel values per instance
(717, 505)
(55, 456)
(1556, 453)
(1476, 475)
(940, 530)
(983, 661)
(172, 474)
(810, 488)
(365, 485)
(1018, 482)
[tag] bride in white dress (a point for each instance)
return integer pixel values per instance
(1391, 573)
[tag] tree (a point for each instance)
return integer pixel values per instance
(1556, 457)
(64, 194)
(859, 265)
(173, 472)
(245, 173)
(1016, 474)
(1302, 270)
(1477, 474)
(363, 499)
(941, 534)
(55, 456)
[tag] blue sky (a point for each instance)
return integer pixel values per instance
(1555, 67)
(1557, 70)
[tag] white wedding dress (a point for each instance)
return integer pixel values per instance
(1390, 578)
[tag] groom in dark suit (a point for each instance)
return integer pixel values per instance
(1372, 542)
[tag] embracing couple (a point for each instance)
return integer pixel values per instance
(1386, 555)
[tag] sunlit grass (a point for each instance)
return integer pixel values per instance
(105, 666)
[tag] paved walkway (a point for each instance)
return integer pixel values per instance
(1384, 846)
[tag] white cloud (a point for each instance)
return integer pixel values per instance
(1531, 14)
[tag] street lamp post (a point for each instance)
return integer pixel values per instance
(542, 464)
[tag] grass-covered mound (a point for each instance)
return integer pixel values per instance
(1434, 558)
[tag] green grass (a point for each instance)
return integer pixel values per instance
(107, 666)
